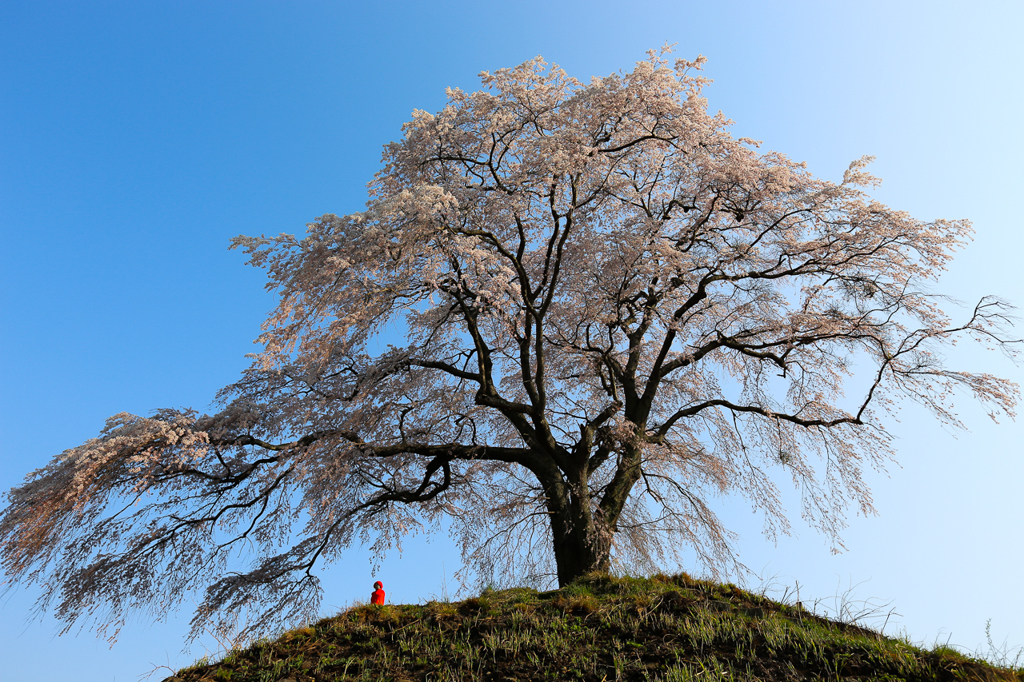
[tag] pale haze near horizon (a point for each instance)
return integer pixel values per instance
(138, 139)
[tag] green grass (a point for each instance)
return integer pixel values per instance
(600, 629)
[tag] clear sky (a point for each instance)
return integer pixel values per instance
(137, 138)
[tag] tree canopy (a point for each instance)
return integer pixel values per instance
(570, 315)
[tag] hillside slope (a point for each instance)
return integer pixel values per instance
(600, 629)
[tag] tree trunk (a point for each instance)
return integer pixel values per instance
(582, 541)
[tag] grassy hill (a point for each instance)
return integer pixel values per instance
(600, 629)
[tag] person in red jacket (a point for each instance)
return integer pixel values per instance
(378, 593)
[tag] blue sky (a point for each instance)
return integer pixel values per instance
(137, 138)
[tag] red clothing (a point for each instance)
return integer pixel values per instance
(377, 597)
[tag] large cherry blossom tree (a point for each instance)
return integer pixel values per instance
(603, 311)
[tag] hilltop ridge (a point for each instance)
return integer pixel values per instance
(599, 629)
